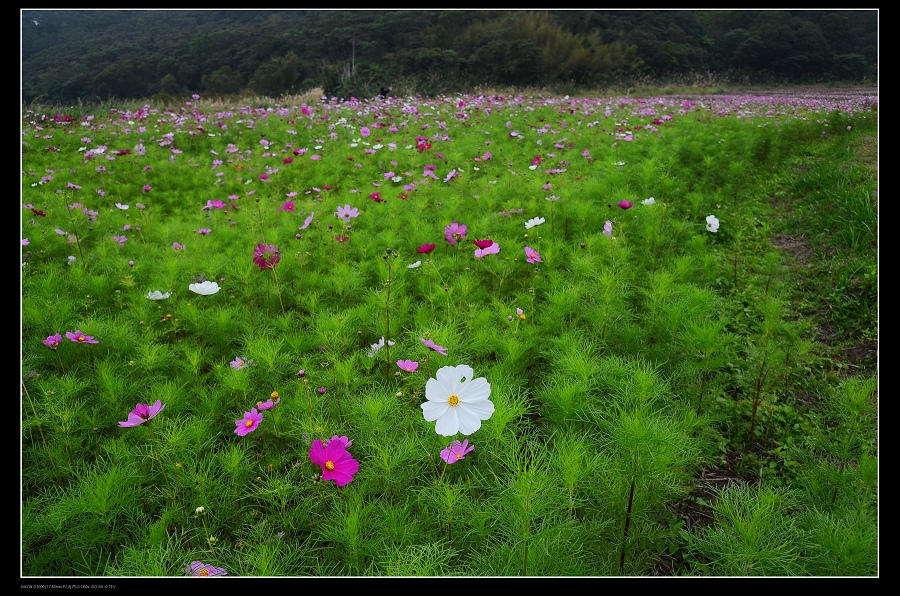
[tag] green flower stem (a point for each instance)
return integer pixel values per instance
(628, 511)
(312, 423)
(156, 455)
(41, 431)
(278, 290)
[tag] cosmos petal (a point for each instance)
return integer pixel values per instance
(434, 410)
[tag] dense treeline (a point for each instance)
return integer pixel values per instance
(79, 55)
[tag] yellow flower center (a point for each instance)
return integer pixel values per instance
(80, 338)
(522, 316)
(458, 455)
(274, 395)
(329, 465)
(248, 424)
(259, 403)
(453, 400)
(204, 572)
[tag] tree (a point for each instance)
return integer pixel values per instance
(223, 81)
(277, 76)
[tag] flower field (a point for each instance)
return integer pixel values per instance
(487, 335)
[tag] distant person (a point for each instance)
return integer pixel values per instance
(384, 92)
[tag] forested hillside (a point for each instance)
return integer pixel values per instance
(72, 55)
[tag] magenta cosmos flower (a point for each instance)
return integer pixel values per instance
(344, 439)
(456, 451)
(248, 423)
(142, 413)
(53, 341)
(408, 365)
(439, 349)
(266, 256)
(199, 569)
(626, 204)
(80, 338)
(533, 255)
(454, 232)
(336, 462)
(425, 248)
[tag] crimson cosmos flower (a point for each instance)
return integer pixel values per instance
(266, 256)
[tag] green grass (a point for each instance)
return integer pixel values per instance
(643, 364)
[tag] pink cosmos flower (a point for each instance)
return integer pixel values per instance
(533, 255)
(607, 229)
(266, 256)
(336, 462)
(80, 338)
(376, 196)
(240, 363)
(347, 212)
(25, 242)
(214, 204)
(365, 132)
(454, 232)
(268, 404)
(626, 204)
(408, 365)
(456, 451)
(198, 569)
(439, 349)
(308, 220)
(142, 413)
(53, 341)
(288, 206)
(120, 239)
(178, 246)
(204, 231)
(248, 423)
(492, 249)
(425, 248)
(147, 188)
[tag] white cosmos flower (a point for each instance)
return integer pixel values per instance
(534, 221)
(457, 401)
(649, 201)
(157, 295)
(712, 223)
(206, 288)
(377, 346)
(414, 265)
